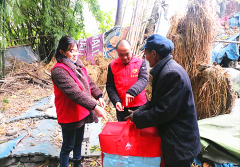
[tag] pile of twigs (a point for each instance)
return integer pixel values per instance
(193, 35)
(23, 84)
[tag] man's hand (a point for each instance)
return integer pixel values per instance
(130, 116)
(100, 112)
(101, 102)
(129, 98)
(119, 106)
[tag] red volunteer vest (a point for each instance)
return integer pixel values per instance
(124, 77)
(67, 110)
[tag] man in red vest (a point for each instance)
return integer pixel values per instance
(126, 80)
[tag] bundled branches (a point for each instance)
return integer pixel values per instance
(33, 73)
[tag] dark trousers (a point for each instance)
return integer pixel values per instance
(72, 141)
(122, 114)
(186, 163)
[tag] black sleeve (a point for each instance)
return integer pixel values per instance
(167, 106)
(142, 81)
(111, 89)
(146, 106)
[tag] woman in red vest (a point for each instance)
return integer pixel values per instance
(73, 90)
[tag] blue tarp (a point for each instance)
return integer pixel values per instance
(110, 46)
(235, 20)
(199, 163)
(230, 50)
(111, 160)
(39, 144)
(8, 147)
(44, 144)
(24, 53)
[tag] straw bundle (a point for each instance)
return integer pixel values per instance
(212, 92)
(148, 88)
(84, 61)
(93, 71)
(98, 72)
(102, 61)
(193, 36)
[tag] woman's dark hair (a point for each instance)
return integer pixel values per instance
(63, 45)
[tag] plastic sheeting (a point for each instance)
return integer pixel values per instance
(236, 107)
(199, 163)
(235, 74)
(42, 141)
(112, 160)
(220, 138)
(231, 50)
(24, 53)
(235, 20)
(162, 24)
(37, 143)
(222, 21)
(110, 34)
(8, 147)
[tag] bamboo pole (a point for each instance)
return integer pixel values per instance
(224, 41)
(137, 25)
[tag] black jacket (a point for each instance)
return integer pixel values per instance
(134, 90)
(172, 110)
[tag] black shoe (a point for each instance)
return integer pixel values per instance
(77, 163)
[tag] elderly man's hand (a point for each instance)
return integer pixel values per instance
(129, 98)
(119, 106)
(130, 116)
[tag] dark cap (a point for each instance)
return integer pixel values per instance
(159, 43)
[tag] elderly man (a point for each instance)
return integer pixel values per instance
(126, 80)
(172, 107)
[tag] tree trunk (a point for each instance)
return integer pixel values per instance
(119, 13)
(154, 16)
